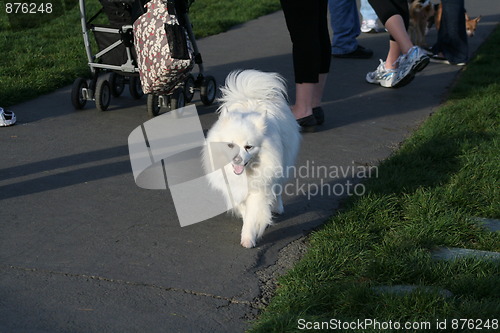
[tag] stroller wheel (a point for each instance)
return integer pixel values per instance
(135, 87)
(153, 105)
(208, 90)
(102, 95)
(178, 99)
(117, 84)
(77, 98)
(189, 87)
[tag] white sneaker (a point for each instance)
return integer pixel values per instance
(7, 118)
(370, 26)
(409, 64)
(381, 75)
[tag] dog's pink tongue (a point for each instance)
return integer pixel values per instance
(238, 169)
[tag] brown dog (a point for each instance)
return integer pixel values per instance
(420, 12)
(470, 24)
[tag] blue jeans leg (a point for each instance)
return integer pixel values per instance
(366, 10)
(452, 37)
(344, 20)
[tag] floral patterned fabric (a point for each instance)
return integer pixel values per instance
(159, 72)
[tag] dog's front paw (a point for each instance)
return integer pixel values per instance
(247, 242)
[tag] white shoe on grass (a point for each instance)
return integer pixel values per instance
(7, 118)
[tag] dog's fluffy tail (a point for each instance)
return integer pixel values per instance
(253, 89)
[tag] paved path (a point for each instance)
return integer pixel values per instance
(83, 249)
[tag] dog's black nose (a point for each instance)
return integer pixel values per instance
(237, 159)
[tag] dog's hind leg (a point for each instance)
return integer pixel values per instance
(257, 218)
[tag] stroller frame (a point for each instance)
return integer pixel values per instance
(102, 86)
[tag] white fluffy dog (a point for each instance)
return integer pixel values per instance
(257, 139)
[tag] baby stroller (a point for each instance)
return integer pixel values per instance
(116, 63)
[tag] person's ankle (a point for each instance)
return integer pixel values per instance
(301, 113)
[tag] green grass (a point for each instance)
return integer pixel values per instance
(424, 197)
(43, 52)
(211, 17)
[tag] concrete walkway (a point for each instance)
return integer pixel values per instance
(83, 249)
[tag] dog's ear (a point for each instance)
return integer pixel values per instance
(261, 122)
(226, 119)
(478, 19)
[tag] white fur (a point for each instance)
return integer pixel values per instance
(262, 138)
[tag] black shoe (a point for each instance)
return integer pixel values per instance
(442, 60)
(308, 124)
(319, 115)
(359, 53)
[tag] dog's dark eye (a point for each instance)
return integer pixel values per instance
(248, 147)
(230, 145)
